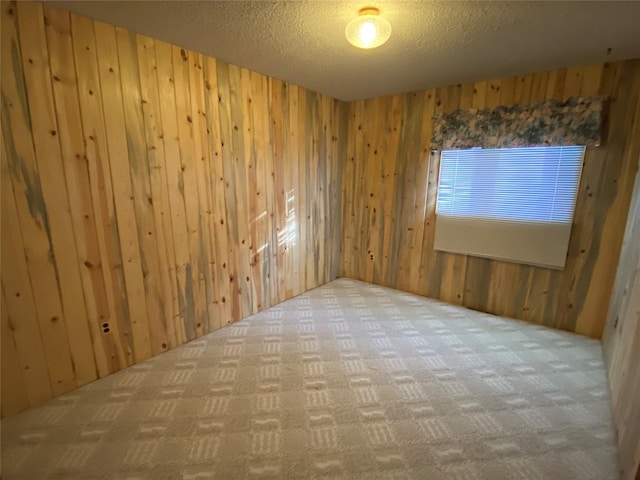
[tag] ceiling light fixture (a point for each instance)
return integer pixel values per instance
(368, 29)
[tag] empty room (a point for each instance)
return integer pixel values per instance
(320, 240)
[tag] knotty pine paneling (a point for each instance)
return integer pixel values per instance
(621, 339)
(150, 195)
(389, 193)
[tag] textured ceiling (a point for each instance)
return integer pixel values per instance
(432, 43)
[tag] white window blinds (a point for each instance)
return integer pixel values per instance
(511, 203)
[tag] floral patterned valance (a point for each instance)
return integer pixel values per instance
(578, 121)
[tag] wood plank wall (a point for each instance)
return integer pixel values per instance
(622, 339)
(389, 192)
(150, 195)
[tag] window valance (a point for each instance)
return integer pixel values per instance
(578, 121)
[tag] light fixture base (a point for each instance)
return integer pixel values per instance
(369, 11)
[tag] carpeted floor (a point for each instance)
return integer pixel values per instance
(348, 381)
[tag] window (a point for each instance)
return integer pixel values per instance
(513, 204)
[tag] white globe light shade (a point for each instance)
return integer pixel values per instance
(368, 30)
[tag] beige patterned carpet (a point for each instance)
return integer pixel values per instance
(348, 381)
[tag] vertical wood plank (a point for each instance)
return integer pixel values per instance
(348, 194)
(74, 160)
(118, 340)
(301, 192)
(240, 161)
(18, 302)
(424, 179)
(158, 316)
(261, 241)
(279, 190)
(186, 319)
(573, 82)
(397, 156)
(591, 80)
(275, 186)
(17, 126)
(370, 177)
(270, 191)
(205, 202)
(295, 216)
(222, 257)
(197, 267)
(255, 218)
(47, 146)
(118, 154)
(310, 121)
(14, 398)
(227, 152)
(340, 151)
(289, 165)
(159, 198)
